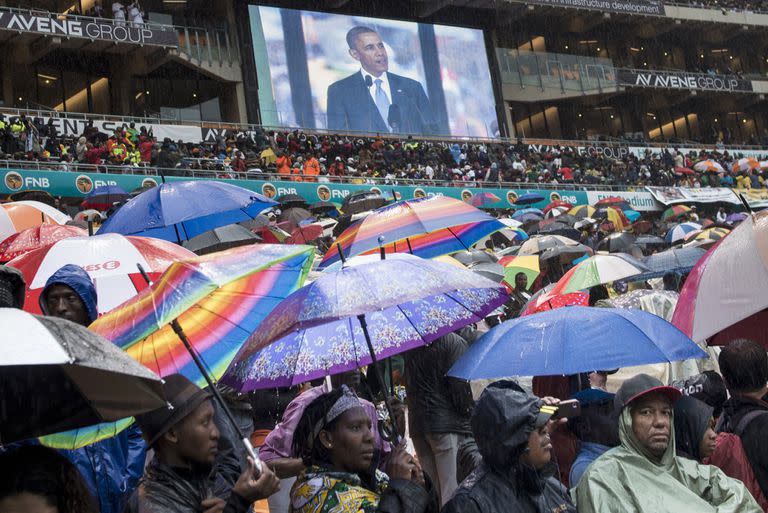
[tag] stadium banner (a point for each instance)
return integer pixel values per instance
(682, 80)
(361, 74)
(73, 184)
(648, 7)
(73, 127)
(97, 28)
(675, 195)
(756, 198)
(642, 201)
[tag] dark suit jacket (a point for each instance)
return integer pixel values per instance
(350, 106)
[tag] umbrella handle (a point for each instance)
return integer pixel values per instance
(363, 324)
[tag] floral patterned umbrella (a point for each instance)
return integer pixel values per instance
(348, 319)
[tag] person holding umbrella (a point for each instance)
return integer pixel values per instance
(185, 475)
(335, 441)
(112, 467)
(660, 480)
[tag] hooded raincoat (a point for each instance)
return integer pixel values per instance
(626, 480)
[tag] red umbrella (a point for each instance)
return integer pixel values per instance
(607, 202)
(36, 238)
(752, 328)
(550, 301)
(556, 204)
(684, 171)
(305, 234)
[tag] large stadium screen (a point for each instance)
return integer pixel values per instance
(352, 73)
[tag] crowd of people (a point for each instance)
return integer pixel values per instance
(299, 156)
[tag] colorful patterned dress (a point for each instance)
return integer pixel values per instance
(319, 490)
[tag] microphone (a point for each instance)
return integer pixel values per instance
(393, 117)
(368, 81)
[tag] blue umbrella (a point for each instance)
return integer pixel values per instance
(528, 214)
(571, 340)
(104, 190)
(178, 211)
(529, 199)
(103, 196)
(632, 215)
(675, 260)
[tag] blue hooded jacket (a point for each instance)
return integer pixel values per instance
(112, 467)
(78, 280)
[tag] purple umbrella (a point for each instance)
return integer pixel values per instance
(351, 318)
(735, 218)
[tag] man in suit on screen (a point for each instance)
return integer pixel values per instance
(373, 99)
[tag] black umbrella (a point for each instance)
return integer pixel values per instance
(323, 207)
(41, 196)
(492, 271)
(291, 200)
(675, 260)
(475, 256)
(621, 242)
(362, 201)
(257, 223)
(294, 216)
(565, 254)
(57, 375)
(219, 239)
(560, 229)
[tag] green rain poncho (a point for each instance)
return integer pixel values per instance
(627, 480)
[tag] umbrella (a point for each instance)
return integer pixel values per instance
(657, 302)
(713, 233)
(293, 200)
(621, 242)
(527, 215)
(745, 164)
(324, 207)
(573, 340)
(566, 254)
(528, 265)
(449, 224)
(484, 199)
(557, 204)
(539, 243)
(585, 223)
(503, 237)
(305, 234)
(178, 211)
(565, 219)
(20, 215)
(510, 223)
(555, 212)
(221, 238)
(290, 218)
(195, 318)
(362, 201)
(109, 259)
(735, 218)
(91, 215)
(632, 215)
(728, 284)
(708, 166)
(474, 256)
(257, 223)
(272, 234)
(675, 260)
(597, 270)
(34, 195)
(679, 231)
(674, 212)
(751, 328)
(613, 215)
(642, 226)
(611, 201)
(582, 211)
(35, 238)
(492, 271)
(351, 318)
(650, 240)
(548, 301)
(679, 170)
(57, 375)
(561, 229)
(104, 196)
(529, 199)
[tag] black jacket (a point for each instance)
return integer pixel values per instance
(441, 404)
(165, 489)
(754, 435)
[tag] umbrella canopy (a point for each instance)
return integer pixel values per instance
(728, 284)
(621, 242)
(736, 217)
(549, 301)
(675, 260)
(290, 218)
(435, 216)
(528, 265)
(674, 212)
(566, 254)
(57, 375)
(510, 223)
(304, 234)
(598, 270)
(504, 237)
(492, 271)
(573, 340)
(178, 211)
(555, 212)
(708, 166)
(257, 223)
(324, 207)
(109, 259)
(484, 199)
(104, 196)
(529, 199)
(745, 164)
(582, 211)
(34, 195)
(657, 302)
(527, 215)
(679, 231)
(36, 238)
(713, 233)
(650, 240)
(612, 201)
(90, 214)
(558, 204)
(400, 304)
(221, 238)
(751, 328)
(362, 201)
(218, 300)
(474, 256)
(293, 200)
(540, 243)
(613, 215)
(561, 229)
(20, 215)
(679, 170)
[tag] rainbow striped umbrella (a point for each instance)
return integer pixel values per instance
(674, 212)
(484, 199)
(218, 300)
(450, 223)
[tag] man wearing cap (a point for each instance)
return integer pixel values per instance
(184, 476)
(644, 474)
(511, 429)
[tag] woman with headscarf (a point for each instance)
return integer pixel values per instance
(335, 442)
